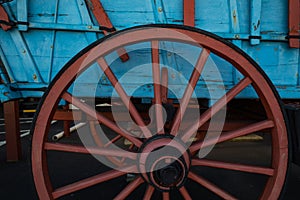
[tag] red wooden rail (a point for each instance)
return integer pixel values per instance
(103, 20)
(4, 17)
(294, 23)
(189, 12)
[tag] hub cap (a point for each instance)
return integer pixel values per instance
(164, 162)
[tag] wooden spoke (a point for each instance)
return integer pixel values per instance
(115, 139)
(129, 188)
(94, 114)
(164, 85)
(98, 140)
(149, 193)
(189, 90)
(185, 193)
(89, 150)
(125, 98)
(157, 87)
(166, 195)
(259, 126)
(88, 182)
(210, 186)
(233, 166)
(217, 107)
(100, 143)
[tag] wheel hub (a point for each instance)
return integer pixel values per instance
(170, 175)
(164, 162)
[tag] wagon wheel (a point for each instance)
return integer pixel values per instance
(164, 162)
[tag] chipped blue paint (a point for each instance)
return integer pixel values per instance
(22, 15)
(159, 11)
(255, 15)
(235, 29)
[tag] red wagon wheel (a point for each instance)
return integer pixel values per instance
(163, 159)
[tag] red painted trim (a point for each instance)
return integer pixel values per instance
(4, 17)
(100, 14)
(189, 12)
(103, 20)
(294, 23)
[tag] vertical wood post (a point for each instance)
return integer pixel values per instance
(67, 124)
(189, 12)
(255, 21)
(294, 23)
(12, 128)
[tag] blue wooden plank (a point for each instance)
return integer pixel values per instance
(234, 16)
(159, 11)
(65, 27)
(298, 74)
(274, 16)
(39, 11)
(86, 20)
(124, 15)
(6, 94)
(267, 36)
(278, 60)
(52, 47)
(22, 15)
(22, 52)
(29, 66)
(7, 67)
(235, 28)
(208, 19)
(255, 10)
(289, 92)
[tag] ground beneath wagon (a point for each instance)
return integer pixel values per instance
(16, 179)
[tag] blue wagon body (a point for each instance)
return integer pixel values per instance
(48, 34)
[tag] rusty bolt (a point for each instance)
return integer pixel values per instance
(234, 14)
(237, 36)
